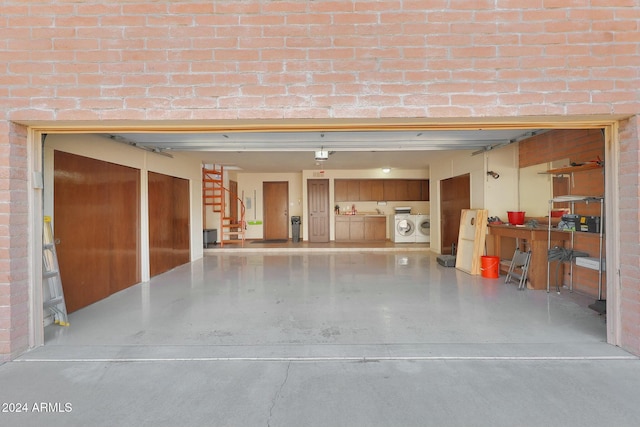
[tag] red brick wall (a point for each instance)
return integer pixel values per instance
(229, 59)
(14, 285)
(69, 60)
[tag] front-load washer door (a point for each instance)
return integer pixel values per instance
(405, 227)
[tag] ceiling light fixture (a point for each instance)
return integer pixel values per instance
(386, 170)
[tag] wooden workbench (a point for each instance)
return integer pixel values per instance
(501, 242)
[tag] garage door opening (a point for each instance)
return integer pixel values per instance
(196, 219)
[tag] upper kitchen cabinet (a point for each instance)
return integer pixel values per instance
(341, 190)
(353, 190)
(371, 189)
(350, 190)
(406, 189)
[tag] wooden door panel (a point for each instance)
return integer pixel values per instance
(124, 204)
(169, 227)
(276, 210)
(181, 222)
(96, 221)
(160, 230)
(455, 195)
(318, 197)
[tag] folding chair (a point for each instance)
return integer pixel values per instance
(519, 267)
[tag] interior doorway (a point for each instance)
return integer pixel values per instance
(276, 210)
(455, 195)
(318, 199)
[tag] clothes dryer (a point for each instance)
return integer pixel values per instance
(423, 228)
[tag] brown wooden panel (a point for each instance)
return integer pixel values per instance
(366, 189)
(375, 228)
(377, 190)
(424, 192)
(389, 189)
(169, 227)
(353, 190)
(356, 228)
(340, 190)
(181, 222)
(124, 218)
(97, 222)
(414, 189)
(455, 195)
(342, 228)
(160, 223)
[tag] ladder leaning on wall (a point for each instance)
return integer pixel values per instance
(51, 277)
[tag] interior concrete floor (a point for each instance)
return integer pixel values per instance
(358, 337)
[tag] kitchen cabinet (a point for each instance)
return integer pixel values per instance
(424, 190)
(354, 190)
(342, 228)
(406, 189)
(358, 228)
(375, 228)
(371, 189)
(340, 190)
(414, 189)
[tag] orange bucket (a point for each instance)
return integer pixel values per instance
(490, 267)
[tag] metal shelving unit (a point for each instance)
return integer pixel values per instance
(573, 200)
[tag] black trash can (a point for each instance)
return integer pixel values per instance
(295, 228)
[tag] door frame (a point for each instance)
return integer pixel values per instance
(35, 173)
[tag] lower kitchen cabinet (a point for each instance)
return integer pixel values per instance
(359, 228)
(375, 228)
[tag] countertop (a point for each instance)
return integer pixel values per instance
(364, 214)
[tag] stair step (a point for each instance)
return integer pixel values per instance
(232, 233)
(233, 242)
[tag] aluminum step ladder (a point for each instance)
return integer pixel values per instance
(51, 277)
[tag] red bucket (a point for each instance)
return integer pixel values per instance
(490, 267)
(516, 218)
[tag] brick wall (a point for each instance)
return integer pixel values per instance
(14, 285)
(229, 59)
(69, 60)
(629, 222)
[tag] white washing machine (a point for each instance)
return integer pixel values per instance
(403, 228)
(423, 228)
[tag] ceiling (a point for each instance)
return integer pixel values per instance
(293, 151)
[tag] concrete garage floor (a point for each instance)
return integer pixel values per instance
(326, 339)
